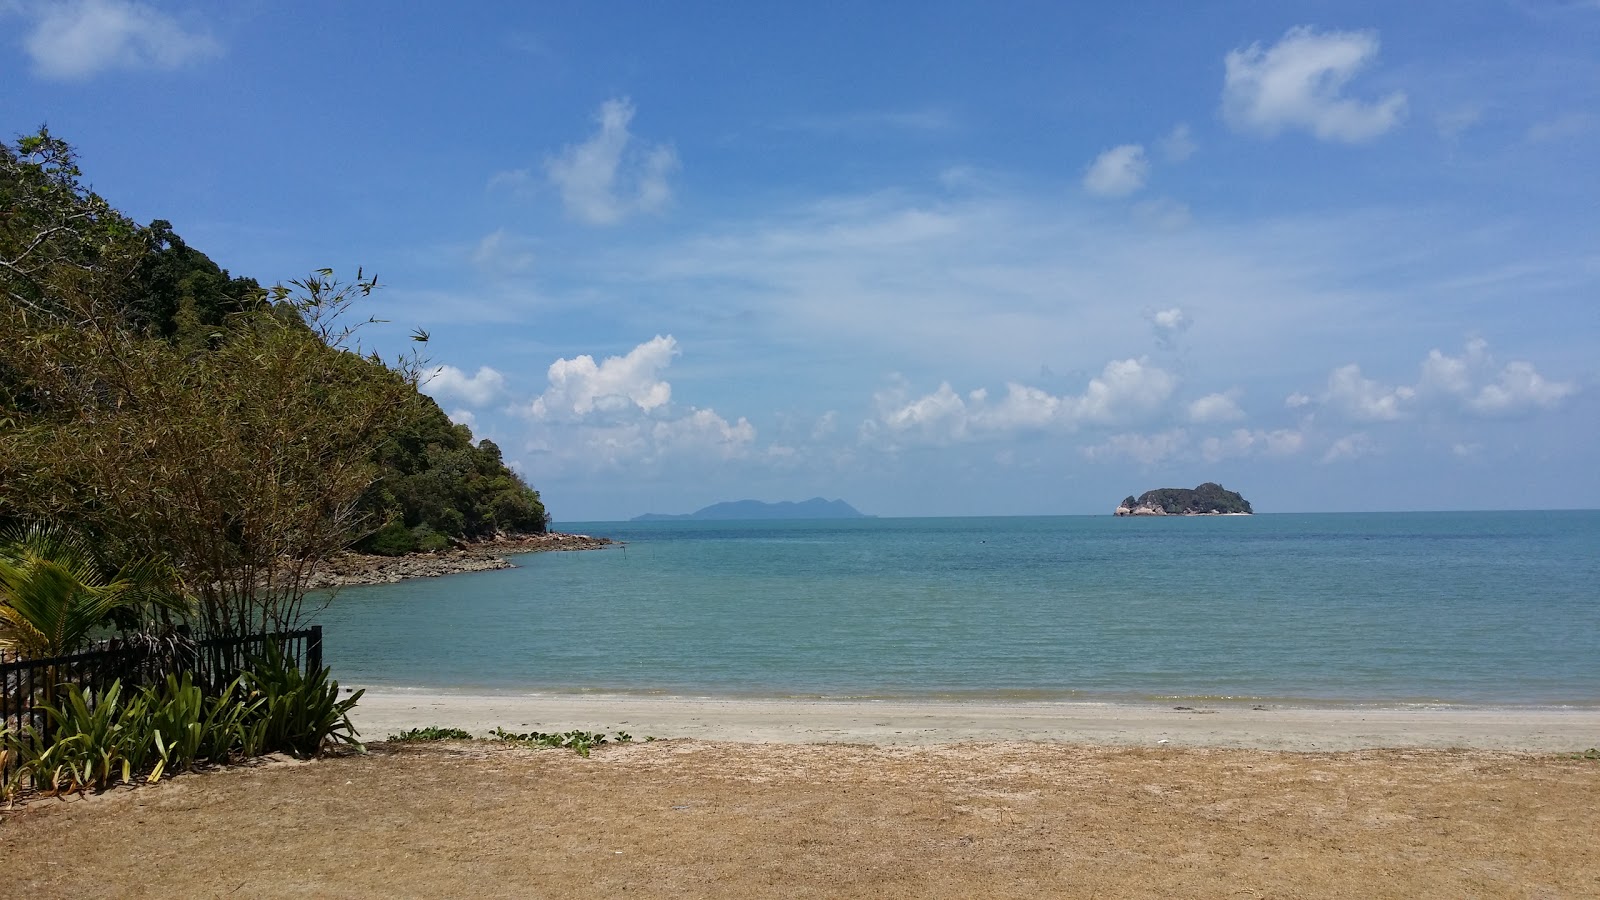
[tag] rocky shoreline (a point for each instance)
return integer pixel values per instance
(348, 569)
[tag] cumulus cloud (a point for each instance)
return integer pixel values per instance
(1470, 383)
(1170, 321)
(1117, 172)
(1243, 442)
(702, 430)
(1365, 400)
(698, 435)
(450, 383)
(76, 40)
(1349, 447)
(1145, 449)
(1299, 82)
(1519, 389)
(580, 386)
(611, 176)
(1125, 390)
(1213, 408)
(618, 413)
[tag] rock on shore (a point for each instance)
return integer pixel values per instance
(360, 568)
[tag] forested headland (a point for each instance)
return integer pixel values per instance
(160, 407)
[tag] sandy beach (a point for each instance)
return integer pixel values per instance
(1541, 730)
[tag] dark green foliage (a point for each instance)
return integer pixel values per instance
(1207, 498)
(296, 713)
(97, 740)
(431, 733)
(435, 479)
(428, 540)
(99, 311)
(180, 294)
(393, 539)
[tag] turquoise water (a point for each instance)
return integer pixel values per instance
(1393, 608)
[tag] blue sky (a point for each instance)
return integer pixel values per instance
(933, 258)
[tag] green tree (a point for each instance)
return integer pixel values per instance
(242, 456)
(54, 593)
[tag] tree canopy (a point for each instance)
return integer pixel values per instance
(166, 409)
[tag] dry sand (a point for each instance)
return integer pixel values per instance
(703, 819)
(382, 713)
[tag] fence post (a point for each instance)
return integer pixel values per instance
(314, 651)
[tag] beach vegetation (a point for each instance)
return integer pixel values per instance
(56, 594)
(579, 741)
(162, 408)
(93, 740)
(429, 734)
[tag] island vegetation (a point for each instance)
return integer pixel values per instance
(181, 451)
(815, 508)
(1209, 499)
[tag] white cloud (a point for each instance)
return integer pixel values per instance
(1520, 389)
(1244, 442)
(450, 383)
(1470, 383)
(82, 38)
(703, 431)
(1170, 321)
(1179, 144)
(1216, 408)
(1141, 448)
(1297, 400)
(1349, 447)
(1365, 400)
(463, 417)
(1126, 390)
(618, 414)
(501, 252)
(1299, 82)
(609, 177)
(580, 386)
(1117, 172)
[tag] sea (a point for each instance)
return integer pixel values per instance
(1387, 609)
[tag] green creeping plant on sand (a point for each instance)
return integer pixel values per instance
(431, 733)
(581, 742)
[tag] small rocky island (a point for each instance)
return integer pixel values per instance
(1209, 499)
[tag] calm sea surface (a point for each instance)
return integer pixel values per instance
(1392, 608)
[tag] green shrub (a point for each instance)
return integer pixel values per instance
(393, 539)
(428, 540)
(295, 713)
(96, 740)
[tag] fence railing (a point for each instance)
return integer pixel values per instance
(26, 683)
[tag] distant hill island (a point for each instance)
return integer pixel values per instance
(1209, 499)
(815, 508)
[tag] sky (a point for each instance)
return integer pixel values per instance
(933, 258)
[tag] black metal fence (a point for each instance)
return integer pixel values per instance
(25, 684)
